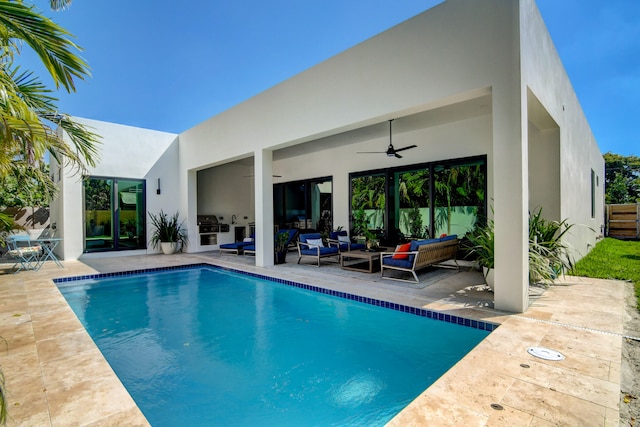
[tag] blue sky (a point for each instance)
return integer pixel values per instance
(169, 65)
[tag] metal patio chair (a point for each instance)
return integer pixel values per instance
(26, 254)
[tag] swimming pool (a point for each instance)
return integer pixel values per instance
(207, 346)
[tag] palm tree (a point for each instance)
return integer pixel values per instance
(28, 112)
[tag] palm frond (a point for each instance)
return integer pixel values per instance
(48, 40)
(84, 141)
(60, 4)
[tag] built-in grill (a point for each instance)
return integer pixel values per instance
(209, 224)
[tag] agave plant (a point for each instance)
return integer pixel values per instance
(167, 229)
(548, 253)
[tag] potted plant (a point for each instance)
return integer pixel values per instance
(281, 247)
(361, 231)
(168, 232)
(480, 242)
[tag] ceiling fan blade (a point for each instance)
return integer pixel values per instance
(391, 151)
(406, 148)
(251, 176)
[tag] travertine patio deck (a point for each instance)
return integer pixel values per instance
(56, 376)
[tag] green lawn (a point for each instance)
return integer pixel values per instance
(613, 259)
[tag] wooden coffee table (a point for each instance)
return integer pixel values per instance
(361, 260)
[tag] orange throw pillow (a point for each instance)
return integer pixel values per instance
(402, 248)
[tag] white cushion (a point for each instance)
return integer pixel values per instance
(343, 239)
(247, 239)
(315, 243)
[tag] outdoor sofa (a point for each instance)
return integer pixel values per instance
(418, 255)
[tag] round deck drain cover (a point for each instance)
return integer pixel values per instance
(545, 353)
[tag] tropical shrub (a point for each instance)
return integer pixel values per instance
(480, 243)
(548, 253)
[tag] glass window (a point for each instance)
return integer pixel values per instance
(593, 194)
(321, 204)
(459, 196)
(305, 205)
(419, 201)
(114, 214)
(368, 204)
(412, 201)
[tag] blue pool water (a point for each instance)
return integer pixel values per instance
(207, 347)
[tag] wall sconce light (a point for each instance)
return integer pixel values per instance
(158, 190)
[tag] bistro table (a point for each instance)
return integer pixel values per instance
(363, 260)
(48, 247)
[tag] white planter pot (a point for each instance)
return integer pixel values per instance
(488, 276)
(168, 247)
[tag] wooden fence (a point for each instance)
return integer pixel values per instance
(622, 221)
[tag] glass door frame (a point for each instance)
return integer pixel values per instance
(115, 214)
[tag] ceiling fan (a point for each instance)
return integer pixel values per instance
(391, 151)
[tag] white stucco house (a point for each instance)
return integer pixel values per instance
(467, 82)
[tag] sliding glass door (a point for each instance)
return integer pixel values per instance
(114, 214)
(131, 214)
(419, 201)
(305, 205)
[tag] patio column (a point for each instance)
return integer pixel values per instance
(511, 199)
(189, 205)
(263, 165)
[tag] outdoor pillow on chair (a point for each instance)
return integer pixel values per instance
(402, 248)
(315, 242)
(343, 239)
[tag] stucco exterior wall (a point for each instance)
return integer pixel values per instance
(453, 51)
(125, 152)
(544, 75)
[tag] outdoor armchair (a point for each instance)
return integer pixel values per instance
(311, 246)
(343, 242)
